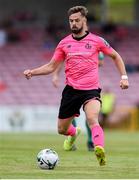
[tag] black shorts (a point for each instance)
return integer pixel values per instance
(73, 99)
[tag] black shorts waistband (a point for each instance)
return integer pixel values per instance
(70, 87)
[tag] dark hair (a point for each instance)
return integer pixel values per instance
(82, 9)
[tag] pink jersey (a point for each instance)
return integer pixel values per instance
(81, 60)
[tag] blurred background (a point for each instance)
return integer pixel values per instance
(29, 32)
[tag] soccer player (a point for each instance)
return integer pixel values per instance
(108, 100)
(55, 80)
(80, 51)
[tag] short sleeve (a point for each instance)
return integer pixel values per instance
(104, 46)
(59, 54)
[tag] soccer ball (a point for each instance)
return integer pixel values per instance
(47, 159)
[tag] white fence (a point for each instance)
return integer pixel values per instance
(32, 119)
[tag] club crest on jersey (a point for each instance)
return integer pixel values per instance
(69, 46)
(88, 46)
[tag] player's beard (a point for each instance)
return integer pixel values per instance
(76, 30)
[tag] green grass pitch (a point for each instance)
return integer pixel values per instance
(18, 157)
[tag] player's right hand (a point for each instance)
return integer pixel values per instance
(28, 74)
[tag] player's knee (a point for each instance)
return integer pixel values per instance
(61, 130)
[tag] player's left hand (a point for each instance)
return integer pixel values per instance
(124, 84)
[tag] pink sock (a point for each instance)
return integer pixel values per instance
(98, 135)
(71, 131)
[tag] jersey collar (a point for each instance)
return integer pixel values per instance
(80, 38)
